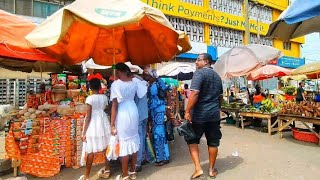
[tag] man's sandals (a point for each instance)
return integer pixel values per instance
(215, 172)
(200, 176)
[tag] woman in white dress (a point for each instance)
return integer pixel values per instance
(125, 117)
(96, 131)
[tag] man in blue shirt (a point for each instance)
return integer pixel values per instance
(142, 105)
(203, 111)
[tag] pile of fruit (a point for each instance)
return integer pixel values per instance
(249, 109)
(268, 106)
(232, 105)
(308, 109)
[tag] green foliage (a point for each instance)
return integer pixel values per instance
(290, 90)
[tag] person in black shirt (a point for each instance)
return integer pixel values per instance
(300, 93)
(203, 111)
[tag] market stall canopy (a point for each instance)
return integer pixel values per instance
(15, 51)
(107, 31)
(91, 65)
(268, 71)
(241, 60)
(300, 18)
(179, 71)
(296, 78)
(174, 69)
(311, 70)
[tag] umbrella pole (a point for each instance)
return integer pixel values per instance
(41, 72)
(113, 55)
(177, 115)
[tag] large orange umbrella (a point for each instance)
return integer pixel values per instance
(268, 71)
(108, 31)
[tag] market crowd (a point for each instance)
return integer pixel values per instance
(140, 109)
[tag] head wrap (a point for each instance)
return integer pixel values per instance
(94, 76)
(152, 72)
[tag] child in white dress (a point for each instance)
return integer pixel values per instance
(96, 130)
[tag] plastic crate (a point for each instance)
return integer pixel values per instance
(305, 136)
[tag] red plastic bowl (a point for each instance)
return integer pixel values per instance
(304, 136)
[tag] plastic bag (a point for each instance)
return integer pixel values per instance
(150, 155)
(187, 131)
(113, 149)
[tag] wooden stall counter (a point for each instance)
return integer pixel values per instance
(289, 118)
(260, 115)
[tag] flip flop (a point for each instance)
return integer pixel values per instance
(200, 176)
(213, 177)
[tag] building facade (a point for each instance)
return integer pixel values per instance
(213, 26)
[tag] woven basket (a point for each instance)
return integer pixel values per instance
(304, 136)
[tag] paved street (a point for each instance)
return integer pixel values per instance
(261, 157)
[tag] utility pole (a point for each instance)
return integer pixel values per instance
(247, 25)
(258, 26)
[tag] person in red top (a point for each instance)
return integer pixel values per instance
(258, 97)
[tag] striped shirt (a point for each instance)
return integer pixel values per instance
(209, 85)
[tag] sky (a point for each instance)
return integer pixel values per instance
(310, 50)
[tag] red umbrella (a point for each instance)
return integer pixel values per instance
(15, 51)
(268, 71)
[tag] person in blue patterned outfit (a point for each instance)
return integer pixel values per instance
(157, 96)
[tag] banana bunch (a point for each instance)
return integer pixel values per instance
(266, 105)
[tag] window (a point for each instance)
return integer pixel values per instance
(262, 40)
(7, 5)
(195, 2)
(24, 7)
(233, 7)
(287, 46)
(194, 29)
(225, 37)
(44, 9)
(260, 13)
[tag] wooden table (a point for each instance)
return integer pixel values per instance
(229, 110)
(289, 118)
(266, 116)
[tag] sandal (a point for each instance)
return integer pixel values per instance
(133, 175)
(200, 176)
(159, 163)
(82, 178)
(165, 162)
(120, 177)
(214, 176)
(105, 174)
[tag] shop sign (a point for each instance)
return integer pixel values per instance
(206, 15)
(290, 62)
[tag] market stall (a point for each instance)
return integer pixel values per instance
(46, 133)
(286, 119)
(305, 112)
